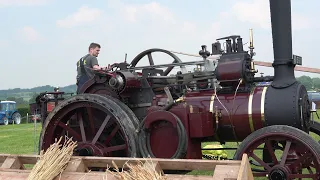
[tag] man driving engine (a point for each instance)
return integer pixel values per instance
(87, 64)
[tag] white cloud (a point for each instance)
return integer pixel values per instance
(30, 34)
(258, 12)
(83, 16)
(300, 22)
(8, 3)
(150, 11)
(3, 43)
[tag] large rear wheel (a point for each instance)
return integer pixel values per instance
(101, 125)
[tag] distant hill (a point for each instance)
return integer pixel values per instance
(27, 94)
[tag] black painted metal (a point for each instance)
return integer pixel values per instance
(282, 43)
(286, 101)
(286, 109)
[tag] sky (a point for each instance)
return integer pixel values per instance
(41, 40)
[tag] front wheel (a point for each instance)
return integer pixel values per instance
(5, 121)
(16, 118)
(293, 153)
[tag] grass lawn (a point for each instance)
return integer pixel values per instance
(19, 139)
(24, 139)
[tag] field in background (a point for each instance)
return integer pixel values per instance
(19, 139)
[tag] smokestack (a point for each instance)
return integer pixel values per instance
(280, 11)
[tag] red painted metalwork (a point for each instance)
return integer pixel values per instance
(50, 106)
(197, 113)
(230, 70)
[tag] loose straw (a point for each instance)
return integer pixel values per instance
(138, 171)
(53, 161)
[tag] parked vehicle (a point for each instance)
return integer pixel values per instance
(36, 118)
(314, 96)
(9, 113)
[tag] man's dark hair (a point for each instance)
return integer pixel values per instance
(94, 45)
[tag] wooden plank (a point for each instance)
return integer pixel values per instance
(12, 163)
(76, 165)
(155, 166)
(24, 159)
(165, 164)
(245, 172)
(224, 172)
(187, 177)
(9, 174)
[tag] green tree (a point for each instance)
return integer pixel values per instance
(306, 81)
(33, 98)
(11, 99)
(316, 83)
(19, 100)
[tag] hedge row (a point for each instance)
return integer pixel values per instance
(23, 111)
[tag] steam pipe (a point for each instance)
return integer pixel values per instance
(282, 43)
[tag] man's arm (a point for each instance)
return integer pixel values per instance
(95, 64)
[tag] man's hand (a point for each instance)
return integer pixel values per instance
(96, 67)
(103, 68)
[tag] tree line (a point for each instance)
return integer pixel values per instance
(311, 84)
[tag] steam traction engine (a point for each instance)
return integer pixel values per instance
(125, 112)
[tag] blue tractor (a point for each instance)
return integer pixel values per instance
(9, 113)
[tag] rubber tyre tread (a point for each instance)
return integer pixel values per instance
(133, 117)
(126, 123)
(279, 130)
(97, 87)
(6, 122)
(15, 114)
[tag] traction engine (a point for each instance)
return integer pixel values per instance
(144, 111)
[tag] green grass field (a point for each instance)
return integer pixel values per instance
(19, 139)
(24, 139)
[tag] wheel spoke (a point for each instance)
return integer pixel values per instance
(91, 121)
(114, 148)
(103, 125)
(150, 59)
(114, 131)
(271, 152)
(309, 169)
(285, 153)
(70, 131)
(83, 134)
(168, 70)
(265, 165)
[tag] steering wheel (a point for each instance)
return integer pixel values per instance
(151, 62)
